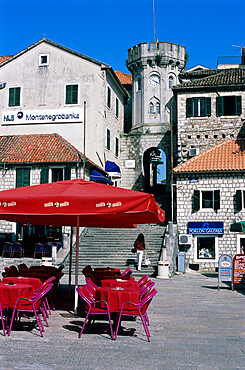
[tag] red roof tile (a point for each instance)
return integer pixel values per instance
(229, 155)
(124, 78)
(42, 148)
(3, 59)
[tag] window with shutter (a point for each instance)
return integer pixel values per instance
(22, 177)
(108, 97)
(219, 106)
(208, 106)
(44, 175)
(117, 108)
(216, 200)
(67, 173)
(238, 103)
(189, 107)
(71, 94)
(196, 201)
(108, 139)
(14, 96)
(239, 200)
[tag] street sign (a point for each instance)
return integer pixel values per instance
(239, 269)
(225, 269)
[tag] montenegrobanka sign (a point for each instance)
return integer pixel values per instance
(20, 117)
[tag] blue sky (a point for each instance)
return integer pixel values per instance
(106, 29)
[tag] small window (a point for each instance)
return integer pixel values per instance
(43, 60)
(205, 200)
(117, 108)
(71, 94)
(157, 108)
(57, 174)
(108, 97)
(206, 248)
(108, 139)
(240, 200)
(116, 147)
(170, 82)
(14, 97)
(228, 105)
(151, 108)
(22, 177)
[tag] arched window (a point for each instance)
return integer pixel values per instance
(170, 82)
(138, 84)
(157, 108)
(151, 108)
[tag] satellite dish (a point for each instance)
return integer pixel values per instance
(2, 85)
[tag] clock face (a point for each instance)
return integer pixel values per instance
(154, 80)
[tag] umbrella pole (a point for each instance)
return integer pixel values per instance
(70, 262)
(76, 271)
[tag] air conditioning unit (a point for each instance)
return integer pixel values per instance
(193, 151)
(185, 239)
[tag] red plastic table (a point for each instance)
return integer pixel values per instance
(115, 297)
(10, 293)
(122, 283)
(35, 282)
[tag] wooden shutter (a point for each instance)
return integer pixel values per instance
(68, 94)
(22, 177)
(74, 94)
(44, 175)
(208, 106)
(238, 103)
(67, 173)
(108, 142)
(216, 199)
(189, 107)
(196, 201)
(219, 106)
(11, 97)
(239, 200)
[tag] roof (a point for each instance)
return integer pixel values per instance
(3, 59)
(229, 155)
(124, 78)
(39, 148)
(221, 77)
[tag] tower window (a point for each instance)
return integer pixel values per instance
(170, 82)
(157, 108)
(151, 108)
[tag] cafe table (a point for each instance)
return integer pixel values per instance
(9, 293)
(119, 282)
(115, 297)
(33, 281)
(105, 273)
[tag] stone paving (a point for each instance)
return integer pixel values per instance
(193, 326)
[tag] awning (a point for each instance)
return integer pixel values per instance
(238, 226)
(112, 169)
(98, 177)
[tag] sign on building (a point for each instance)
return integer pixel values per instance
(238, 269)
(225, 269)
(206, 227)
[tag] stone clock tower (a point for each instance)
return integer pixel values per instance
(155, 69)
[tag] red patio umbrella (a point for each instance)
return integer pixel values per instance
(79, 203)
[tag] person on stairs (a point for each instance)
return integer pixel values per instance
(139, 245)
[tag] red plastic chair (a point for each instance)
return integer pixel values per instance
(137, 310)
(127, 272)
(33, 305)
(91, 283)
(92, 308)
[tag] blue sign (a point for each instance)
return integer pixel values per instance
(212, 228)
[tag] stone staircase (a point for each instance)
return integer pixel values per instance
(101, 247)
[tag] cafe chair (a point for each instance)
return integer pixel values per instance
(17, 248)
(7, 248)
(33, 305)
(92, 308)
(147, 287)
(91, 292)
(135, 311)
(143, 280)
(91, 283)
(46, 305)
(38, 249)
(2, 309)
(127, 272)
(47, 250)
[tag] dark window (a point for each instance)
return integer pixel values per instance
(44, 59)
(117, 147)
(206, 248)
(44, 175)
(157, 108)
(198, 107)
(151, 108)
(139, 84)
(170, 82)
(57, 174)
(207, 199)
(108, 139)
(14, 96)
(228, 105)
(71, 94)
(117, 108)
(22, 177)
(108, 97)
(67, 173)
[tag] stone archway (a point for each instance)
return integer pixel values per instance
(154, 171)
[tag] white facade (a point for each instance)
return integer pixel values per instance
(42, 73)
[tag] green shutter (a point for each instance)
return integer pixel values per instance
(11, 97)
(207, 106)
(117, 108)
(67, 173)
(189, 107)
(22, 177)
(44, 175)
(196, 201)
(17, 96)
(216, 200)
(74, 94)
(219, 106)
(108, 97)
(239, 200)
(238, 102)
(68, 94)
(108, 143)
